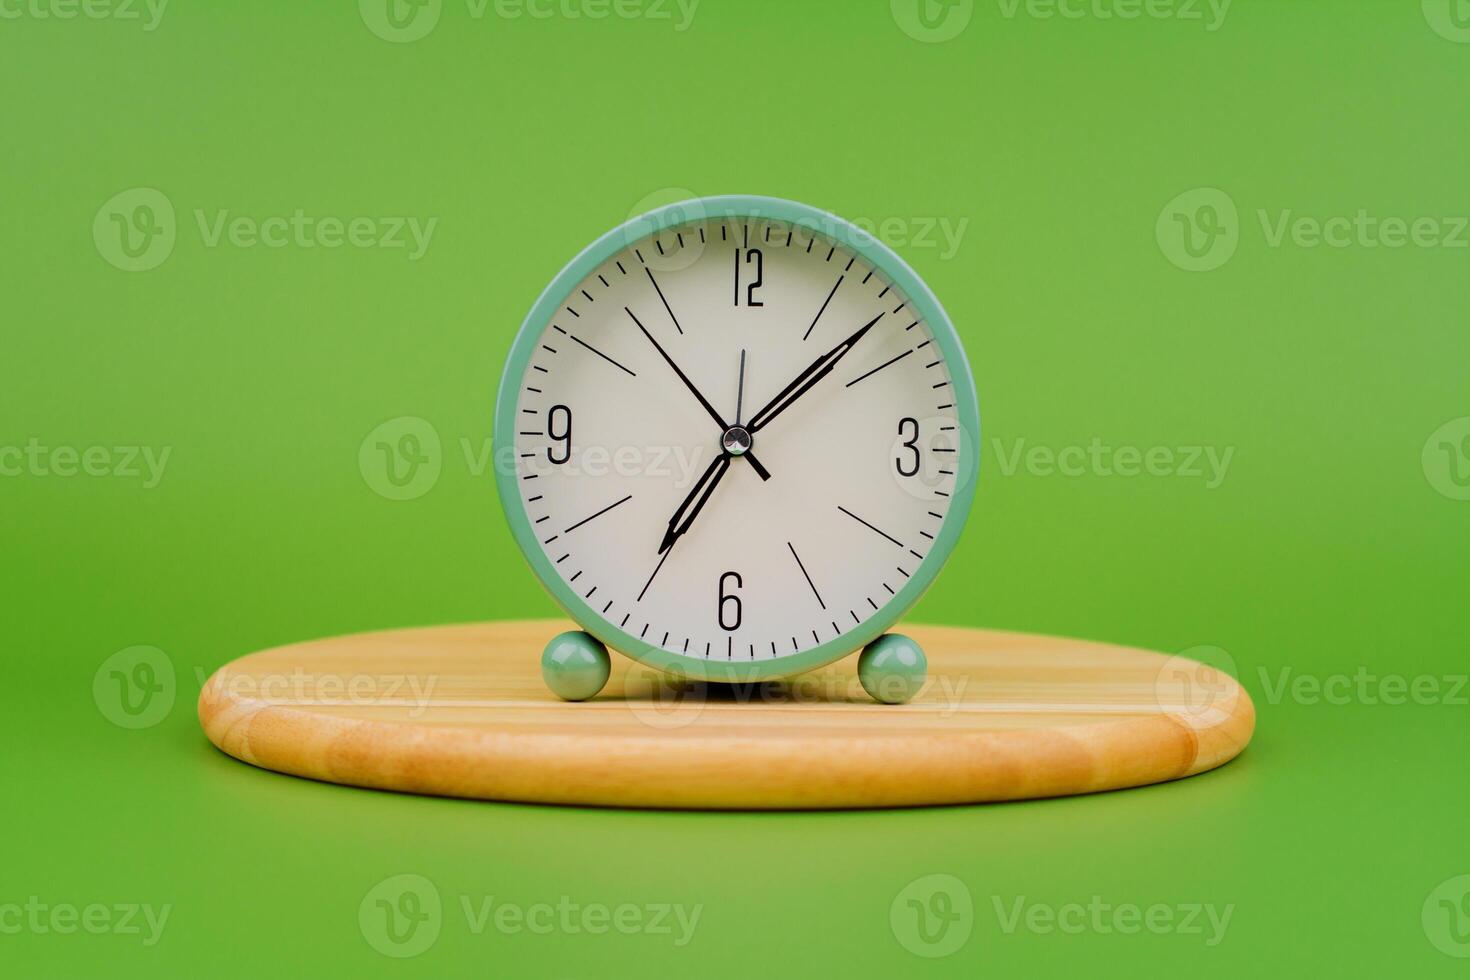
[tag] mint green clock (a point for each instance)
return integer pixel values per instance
(737, 438)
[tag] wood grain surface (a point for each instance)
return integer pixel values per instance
(462, 711)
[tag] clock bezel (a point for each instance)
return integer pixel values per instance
(676, 215)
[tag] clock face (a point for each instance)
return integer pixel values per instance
(737, 440)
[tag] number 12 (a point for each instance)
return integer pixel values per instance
(752, 256)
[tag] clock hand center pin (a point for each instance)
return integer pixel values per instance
(755, 464)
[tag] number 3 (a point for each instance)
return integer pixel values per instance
(912, 443)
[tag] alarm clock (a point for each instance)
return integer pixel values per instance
(736, 439)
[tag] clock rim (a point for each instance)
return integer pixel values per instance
(678, 214)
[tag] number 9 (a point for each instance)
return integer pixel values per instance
(564, 437)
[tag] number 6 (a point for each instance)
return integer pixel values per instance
(730, 598)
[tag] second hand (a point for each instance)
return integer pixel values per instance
(740, 388)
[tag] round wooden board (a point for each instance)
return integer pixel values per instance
(462, 711)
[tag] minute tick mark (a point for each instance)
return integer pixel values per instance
(891, 360)
(824, 307)
(665, 302)
(805, 575)
(600, 354)
(598, 514)
(869, 526)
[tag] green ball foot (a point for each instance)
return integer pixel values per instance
(892, 668)
(575, 665)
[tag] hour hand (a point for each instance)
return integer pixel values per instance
(695, 501)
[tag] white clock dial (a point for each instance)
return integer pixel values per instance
(635, 390)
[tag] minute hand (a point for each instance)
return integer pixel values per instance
(807, 379)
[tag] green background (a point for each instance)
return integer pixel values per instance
(1330, 547)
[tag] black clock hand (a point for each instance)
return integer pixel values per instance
(682, 376)
(740, 389)
(695, 501)
(804, 382)
(755, 463)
